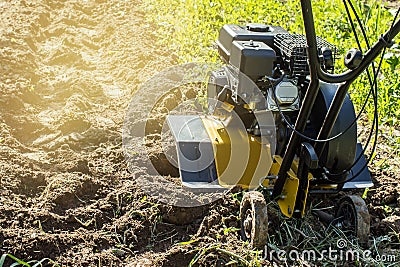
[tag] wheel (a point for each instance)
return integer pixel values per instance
(352, 217)
(254, 219)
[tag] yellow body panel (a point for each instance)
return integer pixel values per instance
(288, 198)
(240, 158)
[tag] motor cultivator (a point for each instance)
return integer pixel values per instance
(279, 120)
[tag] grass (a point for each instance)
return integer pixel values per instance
(319, 245)
(32, 263)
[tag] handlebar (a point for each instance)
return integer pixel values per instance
(316, 74)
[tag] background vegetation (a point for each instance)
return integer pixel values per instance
(190, 27)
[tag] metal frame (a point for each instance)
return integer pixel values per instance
(316, 74)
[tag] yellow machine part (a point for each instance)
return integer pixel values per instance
(240, 158)
(288, 198)
(289, 194)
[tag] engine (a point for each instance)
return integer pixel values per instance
(275, 61)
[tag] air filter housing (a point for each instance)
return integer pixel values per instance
(255, 59)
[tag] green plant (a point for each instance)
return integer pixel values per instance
(32, 263)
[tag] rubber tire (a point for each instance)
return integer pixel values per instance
(360, 227)
(253, 204)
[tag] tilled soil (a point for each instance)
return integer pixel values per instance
(68, 73)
